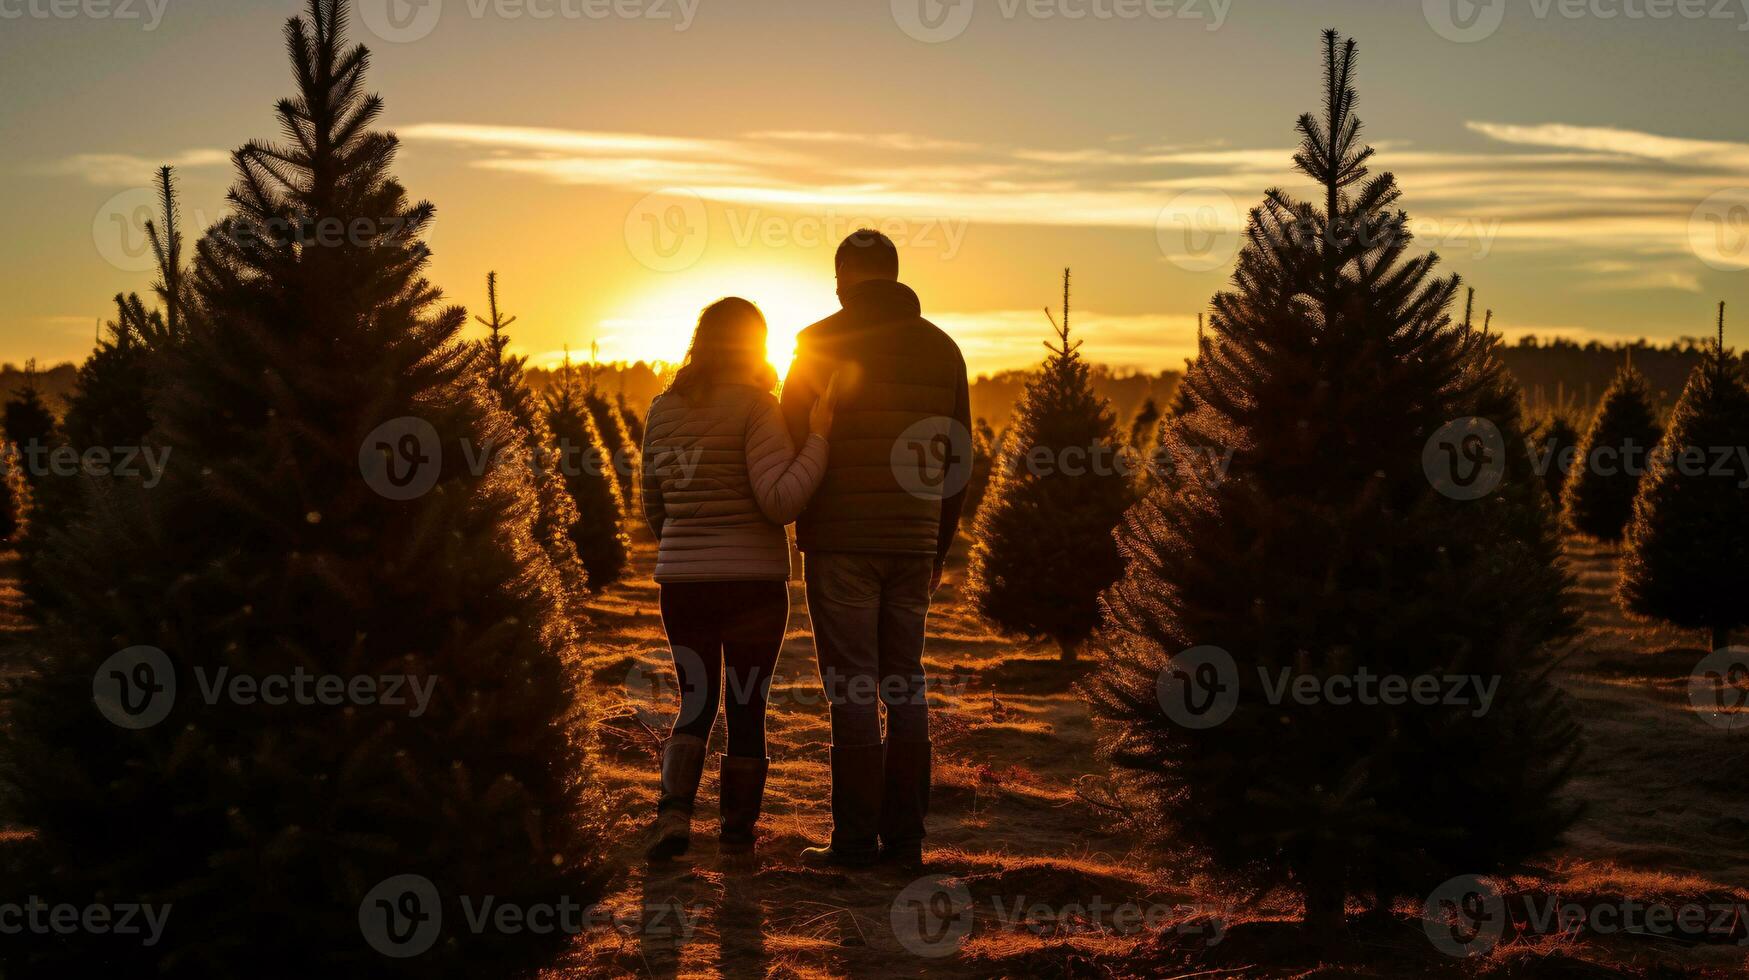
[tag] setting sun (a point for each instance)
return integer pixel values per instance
(657, 324)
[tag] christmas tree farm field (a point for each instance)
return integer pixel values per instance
(1039, 865)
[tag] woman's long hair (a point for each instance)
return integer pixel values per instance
(729, 345)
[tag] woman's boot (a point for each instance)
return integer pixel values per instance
(741, 792)
(682, 765)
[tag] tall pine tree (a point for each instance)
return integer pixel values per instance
(600, 530)
(1054, 497)
(1324, 551)
(320, 519)
(536, 448)
(1598, 497)
(1686, 558)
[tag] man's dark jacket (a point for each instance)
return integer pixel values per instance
(899, 375)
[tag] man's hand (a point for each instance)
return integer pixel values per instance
(935, 578)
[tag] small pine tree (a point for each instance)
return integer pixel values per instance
(1684, 558)
(984, 450)
(30, 424)
(599, 533)
(1598, 498)
(1555, 437)
(1325, 550)
(1142, 428)
(32, 434)
(556, 517)
(622, 453)
(634, 423)
(1038, 520)
(289, 538)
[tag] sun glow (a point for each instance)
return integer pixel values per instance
(657, 325)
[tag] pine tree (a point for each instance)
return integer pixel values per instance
(1685, 556)
(1054, 497)
(1598, 498)
(29, 422)
(622, 452)
(319, 388)
(1555, 436)
(599, 532)
(1142, 427)
(984, 451)
(32, 435)
(1325, 550)
(556, 517)
(629, 415)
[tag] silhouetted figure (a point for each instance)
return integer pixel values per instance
(721, 479)
(875, 539)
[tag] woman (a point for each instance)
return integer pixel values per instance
(721, 479)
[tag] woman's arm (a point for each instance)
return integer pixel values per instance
(783, 479)
(651, 483)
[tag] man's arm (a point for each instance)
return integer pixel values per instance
(958, 475)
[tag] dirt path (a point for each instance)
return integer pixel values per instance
(1013, 747)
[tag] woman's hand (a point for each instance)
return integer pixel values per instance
(820, 416)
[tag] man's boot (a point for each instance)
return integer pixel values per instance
(904, 803)
(856, 807)
(682, 765)
(742, 790)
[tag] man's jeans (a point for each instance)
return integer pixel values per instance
(868, 612)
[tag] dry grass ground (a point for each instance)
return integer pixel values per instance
(1030, 859)
(1023, 829)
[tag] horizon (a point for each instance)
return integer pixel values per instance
(1579, 201)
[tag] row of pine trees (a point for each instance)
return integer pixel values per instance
(1285, 519)
(270, 353)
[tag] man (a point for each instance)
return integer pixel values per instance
(874, 539)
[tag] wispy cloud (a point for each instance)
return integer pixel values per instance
(125, 170)
(1622, 142)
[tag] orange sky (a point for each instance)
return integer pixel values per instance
(621, 171)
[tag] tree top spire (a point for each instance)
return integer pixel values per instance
(1063, 348)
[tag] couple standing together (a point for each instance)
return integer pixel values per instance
(726, 467)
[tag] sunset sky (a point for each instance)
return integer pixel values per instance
(620, 163)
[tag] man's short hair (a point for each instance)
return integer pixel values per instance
(870, 252)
